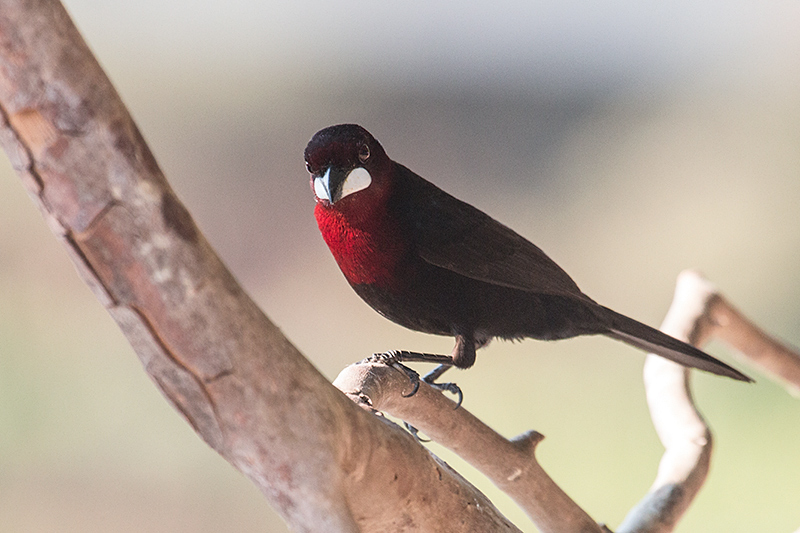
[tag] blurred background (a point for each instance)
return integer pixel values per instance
(628, 140)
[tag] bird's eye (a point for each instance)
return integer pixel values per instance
(363, 153)
(308, 167)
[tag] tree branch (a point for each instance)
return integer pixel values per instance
(680, 427)
(323, 463)
(725, 323)
(698, 313)
(510, 464)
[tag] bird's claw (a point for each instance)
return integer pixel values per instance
(392, 358)
(412, 376)
(452, 388)
(414, 432)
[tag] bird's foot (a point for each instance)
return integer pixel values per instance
(392, 358)
(414, 432)
(431, 377)
(449, 387)
(452, 388)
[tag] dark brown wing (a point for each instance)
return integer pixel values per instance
(454, 235)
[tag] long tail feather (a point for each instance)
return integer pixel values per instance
(654, 341)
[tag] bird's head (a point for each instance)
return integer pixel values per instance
(345, 160)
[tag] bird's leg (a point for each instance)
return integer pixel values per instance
(394, 359)
(434, 374)
(463, 356)
(410, 357)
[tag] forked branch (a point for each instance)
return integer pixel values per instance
(699, 313)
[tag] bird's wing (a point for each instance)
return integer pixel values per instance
(454, 235)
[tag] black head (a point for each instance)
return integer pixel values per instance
(342, 160)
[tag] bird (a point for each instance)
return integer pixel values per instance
(433, 263)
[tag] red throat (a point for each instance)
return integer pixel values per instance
(365, 249)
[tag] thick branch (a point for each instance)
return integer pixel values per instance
(324, 464)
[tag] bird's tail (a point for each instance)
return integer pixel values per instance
(654, 341)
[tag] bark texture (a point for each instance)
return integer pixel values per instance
(323, 463)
